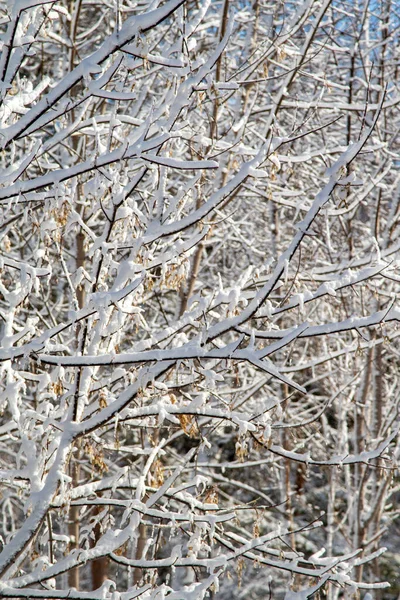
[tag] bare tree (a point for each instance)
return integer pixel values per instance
(199, 269)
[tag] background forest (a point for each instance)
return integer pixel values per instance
(199, 320)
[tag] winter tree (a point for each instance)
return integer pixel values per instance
(199, 246)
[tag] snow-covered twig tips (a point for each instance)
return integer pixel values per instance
(198, 321)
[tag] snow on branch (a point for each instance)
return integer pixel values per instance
(198, 299)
